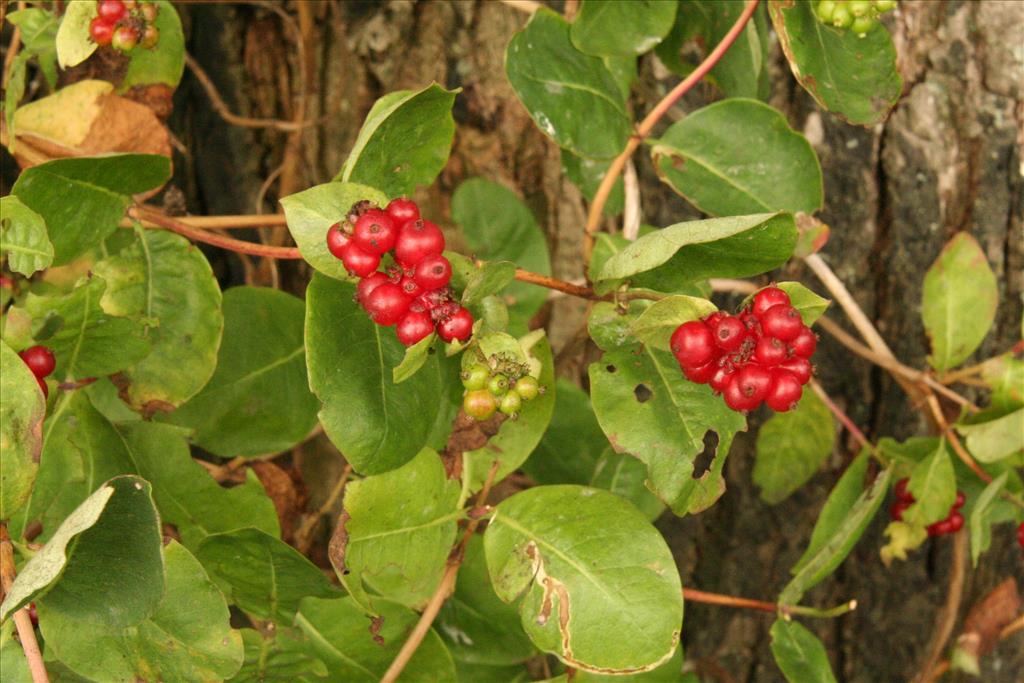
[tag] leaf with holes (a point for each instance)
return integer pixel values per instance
(958, 303)
(396, 532)
(739, 156)
(258, 400)
(312, 212)
(597, 585)
(382, 156)
(23, 237)
(791, 447)
(261, 575)
(21, 431)
(606, 28)
(799, 654)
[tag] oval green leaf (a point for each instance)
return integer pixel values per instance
(608, 28)
(23, 237)
(799, 654)
(792, 446)
(74, 44)
(21, 431)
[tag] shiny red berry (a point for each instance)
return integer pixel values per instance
(729, 332)
(960, 500)
(956, 522)
(701, 374)
(39, 360)
(940, 528)
(720, 380)
(433, 272)
(403, 210)
(358, 262)
(782, 321)
(336, 240)
(101, 32)
(1020, 534)
(785, 391)
(751, 321)
(410, 287)
(125, 38)
(387, 304)
(768, 297)
(805, 343)
(458, 325)
(416, 240)
(42, 387)
(110, 10)
(368, 284)
(748, 388)
(375, 232)
(897, 509)
(413, 327)
(801, 367)
(901, 491)
(692, 344)
(770, 351)
(33, 615)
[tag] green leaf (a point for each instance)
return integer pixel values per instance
(840, 529)
(648, 409)
(86, 341)
(13, 93)
(188, 638)
(742, 70)
(187, 496)
(810, 305)
(621, 27)
(164, 63)
(1004, 375)
(853, 77)
(791, 447)
(933, 485)
(587, 175)
(841, 501)
(378, 425)
(959, 300)
(981, 517)
(571, 96)
(21, 431)
(516, 439)
(258, 400)
(739, 156)
(599, 587)
(74, 43)
(23, 237)
(414, 358)
(738, 246)
(312, 212)
(996, 439)
(626, 476)
(396, 532)
(383, 157)
(103, 566)
(475, 624)
(166, 283)
(655, 325)
(488, 279)
(39, 39)
(499, 226)
(285, 654)
(799, 654)
(82, 199)
(570, 448)
(264, 577)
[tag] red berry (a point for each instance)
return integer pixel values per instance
(39, 360)
(799, 366)
(784, 392)
(1020, 534)
(374, 232)
(433, 272)
(368, 284)
(711, 319)
(387, 304)
(770, 351)
(729, 332)
(897, 509)
(101, 32)
(768, 297)
(410, 287)
(358, 262)
(782, 321)
(805, 343)
(6, 282)
(110, 10)
(751, 321)
(413, 327)
(417, 240)
(720, 380)
(748, 388)
(901, 491)
(125, 38)
(403, 210)
(33, 615)
(701, 374)
(692, 344)
(336, 240)
(42, 387)
(458, 325)
(956, 522)
(960, 500)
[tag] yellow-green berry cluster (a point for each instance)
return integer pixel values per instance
(860, 16)
(498, 384)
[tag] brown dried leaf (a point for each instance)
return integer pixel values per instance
(988, 617)
(283, 492)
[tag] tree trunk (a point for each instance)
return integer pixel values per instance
(947, 160)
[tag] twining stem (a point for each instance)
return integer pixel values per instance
(444, 588)
(843, 418)
(694, 595)
(946, 619)
(199, 235)
(22, 620)
(270, 220)
(647, 125)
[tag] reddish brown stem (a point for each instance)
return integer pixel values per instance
(22, 620)
(556, 284)
(207, 237)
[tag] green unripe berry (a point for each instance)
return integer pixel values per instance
(825, 10)
(527, 388)
(511, 403)
(479, 404)
(498, 385)
(842, 17)
(860, 8)
(882, 6)
(476, 377)
(861, 25)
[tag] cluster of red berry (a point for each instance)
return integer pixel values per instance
(1020, 534)
(904, 499)
(41, 362)
(413, 293)
(761, 355)
(123, 24)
